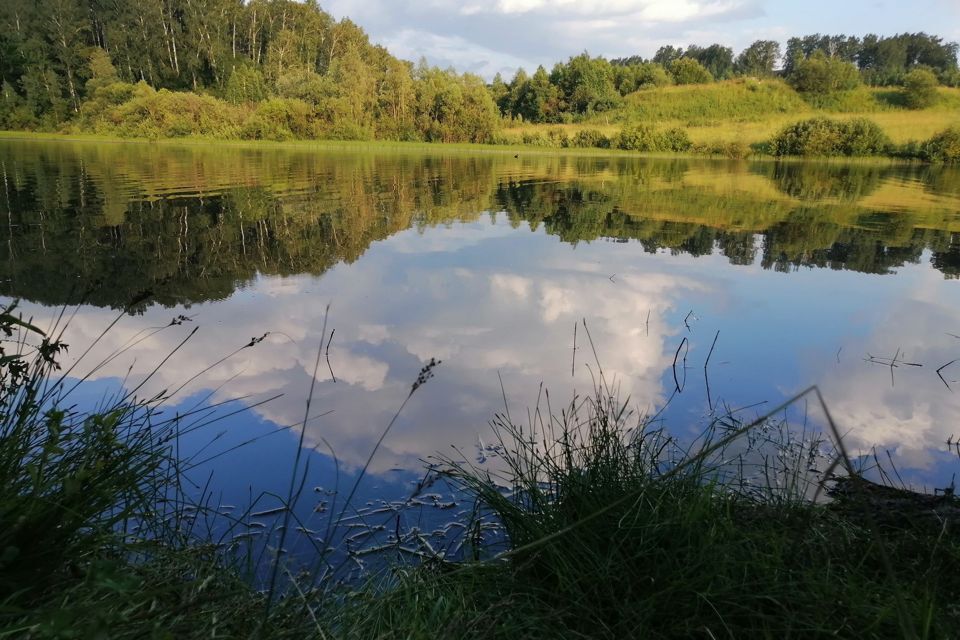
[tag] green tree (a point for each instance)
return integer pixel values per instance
(716, 59)
(759, 59)
(102, 71)
(640, 75)
(539, 99)
(246, 84)
(500, 92)
(516, 95)
(586, 84)
(667, 54)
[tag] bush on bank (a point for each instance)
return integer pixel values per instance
(826, 137)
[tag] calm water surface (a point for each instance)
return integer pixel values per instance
(487, 262)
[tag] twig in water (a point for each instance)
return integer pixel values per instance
(648, 323)
(573, 360)
(940, 375)
(893, 363)
(683, 343)
(838, 354)
(687, 324)
(706, 377)
(333, 331)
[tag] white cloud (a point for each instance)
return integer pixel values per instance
(489, 36)
(479, 321)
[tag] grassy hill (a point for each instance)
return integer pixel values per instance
(750, 111)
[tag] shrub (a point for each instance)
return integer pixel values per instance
(920, 89)
(554, 138)
(645, 138)
(950, 78)
(689, 71)
(676, 139)
(167, 114)
(639, 138)
(735, 150)
(825, 137)
(862, 137)
(590, 138)
(652, 75)
(943, 147)
(819, 74)
(280, 119)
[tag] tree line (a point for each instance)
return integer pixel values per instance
(265, 68)
(817, 66)
(283, 68)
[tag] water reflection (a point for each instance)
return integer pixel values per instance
(487, 262)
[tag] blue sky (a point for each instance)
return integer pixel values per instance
(487, 36)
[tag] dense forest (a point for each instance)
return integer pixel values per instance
(278, 69)
(223, 68)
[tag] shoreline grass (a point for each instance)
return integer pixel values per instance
(438, 148)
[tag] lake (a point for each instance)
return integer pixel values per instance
(793, 273)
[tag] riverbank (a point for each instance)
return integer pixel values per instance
(610, 528)
(441, 148)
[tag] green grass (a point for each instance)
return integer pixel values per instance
(97, 539)
(742, 100)
(752, 111)
(616, 532)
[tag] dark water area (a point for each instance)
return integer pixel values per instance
(805, 273)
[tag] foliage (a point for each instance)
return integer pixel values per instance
(58, 58)
(586, 84)
(452, 108)
(826, 137)
(168, 114)
(943, 147)
(554, 138)
(642, 75)
(280, 119)
(647, 139)
(886, 61)
(586, 138)
(616, 531)
(820, 75)
(63, 54)
(689, 71)
(246, 84)
(759, 59)
(920, 89)
(716, 58)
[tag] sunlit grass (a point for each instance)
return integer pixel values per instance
(753, 111)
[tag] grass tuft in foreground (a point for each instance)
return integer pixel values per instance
(96, 536)
(615, 531)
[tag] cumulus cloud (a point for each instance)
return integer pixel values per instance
(491, 37)
(479, 320)
(914, 413)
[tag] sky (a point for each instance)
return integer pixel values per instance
(490, 36)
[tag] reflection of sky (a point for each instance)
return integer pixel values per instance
(486, 298)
